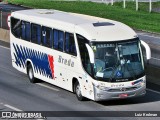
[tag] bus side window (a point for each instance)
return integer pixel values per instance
(70, 44)
(36, 34)
(26, 31)
(47, 37)
(84, 54)
(16, 27)
(58, 39)
(55, 41)
(61, 40)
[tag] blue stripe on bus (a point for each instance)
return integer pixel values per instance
(39, 59)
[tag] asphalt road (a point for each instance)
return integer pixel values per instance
(18, 94)
(154, 42)
(10, 7)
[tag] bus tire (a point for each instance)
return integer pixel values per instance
(77, 91)
(30, 74)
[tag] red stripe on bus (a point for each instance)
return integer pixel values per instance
(51, 64)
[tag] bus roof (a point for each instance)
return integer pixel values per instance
(92, 28)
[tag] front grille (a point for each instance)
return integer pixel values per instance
(123, 89)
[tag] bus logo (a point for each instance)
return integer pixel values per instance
(123, 89)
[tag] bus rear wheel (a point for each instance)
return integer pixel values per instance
(77, 91)
(30, 74)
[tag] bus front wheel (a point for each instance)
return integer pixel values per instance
(30, 73)
(77, 91)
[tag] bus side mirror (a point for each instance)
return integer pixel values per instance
(91, 53)
(147, 49)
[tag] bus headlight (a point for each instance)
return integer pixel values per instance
(143, 83)
(139, 83)
(100, 87)
(103, 88)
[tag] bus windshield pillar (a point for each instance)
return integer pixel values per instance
(91, 53)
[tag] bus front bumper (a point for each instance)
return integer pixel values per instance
(101, 95)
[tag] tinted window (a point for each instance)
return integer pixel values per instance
(16, 27)
(98, 24)
(70, 44)
(47, 37)
(26, 31)
(58, 39)
(36, 34)
(55, 43)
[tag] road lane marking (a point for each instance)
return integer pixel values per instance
(153, 91)
(11, 107)
(16, 109)
(4, 47)
(46, 86)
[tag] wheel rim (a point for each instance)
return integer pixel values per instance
(30, 73)
(78, 90)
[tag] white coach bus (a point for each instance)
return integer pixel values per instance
(95, 58)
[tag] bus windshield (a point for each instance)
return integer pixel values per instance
(118, 61)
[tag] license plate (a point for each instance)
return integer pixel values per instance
(123, 95)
